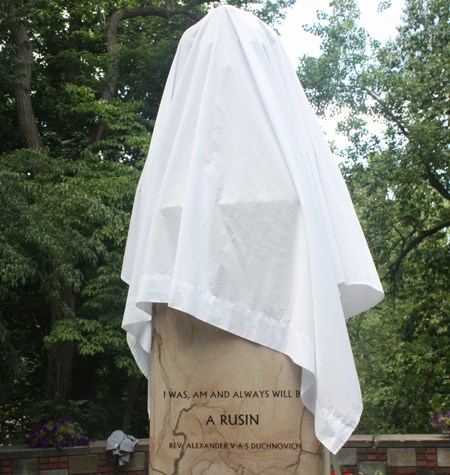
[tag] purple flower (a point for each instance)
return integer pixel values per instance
(58, 433)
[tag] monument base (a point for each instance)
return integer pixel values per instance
(222, 405)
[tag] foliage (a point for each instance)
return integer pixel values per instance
(80, 88)
(399, 182)
(63, 432)
(64, 211)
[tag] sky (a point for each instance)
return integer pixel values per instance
(297, 42)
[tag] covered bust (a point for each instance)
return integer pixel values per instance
(242, 218)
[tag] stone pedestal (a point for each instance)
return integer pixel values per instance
(222, 405)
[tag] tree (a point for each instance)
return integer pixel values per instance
(79, 92)
(400, 186)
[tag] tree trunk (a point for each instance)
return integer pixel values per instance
(132, 392)
(59, 367)
(25, 113)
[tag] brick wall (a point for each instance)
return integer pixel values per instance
(396, 454)
(92, 460)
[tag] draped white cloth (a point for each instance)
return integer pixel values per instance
(242, 218)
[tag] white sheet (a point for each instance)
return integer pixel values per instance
(242, 219)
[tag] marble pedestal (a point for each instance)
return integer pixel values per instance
(222, 405)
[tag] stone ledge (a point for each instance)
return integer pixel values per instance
(397, 441)
(13, 452)
(411, 440)
(359, 441)
(99, 446)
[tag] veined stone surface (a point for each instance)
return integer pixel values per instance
(401, 457)
(443, 457)
(222, 405)
(25, 466)
(347, 457)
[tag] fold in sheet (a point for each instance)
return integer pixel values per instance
(242, 218)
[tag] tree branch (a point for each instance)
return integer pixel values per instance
(390, 114)
(364, 353)
(434, 182)
(394, 267)
(25, 113)
(107, 92)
